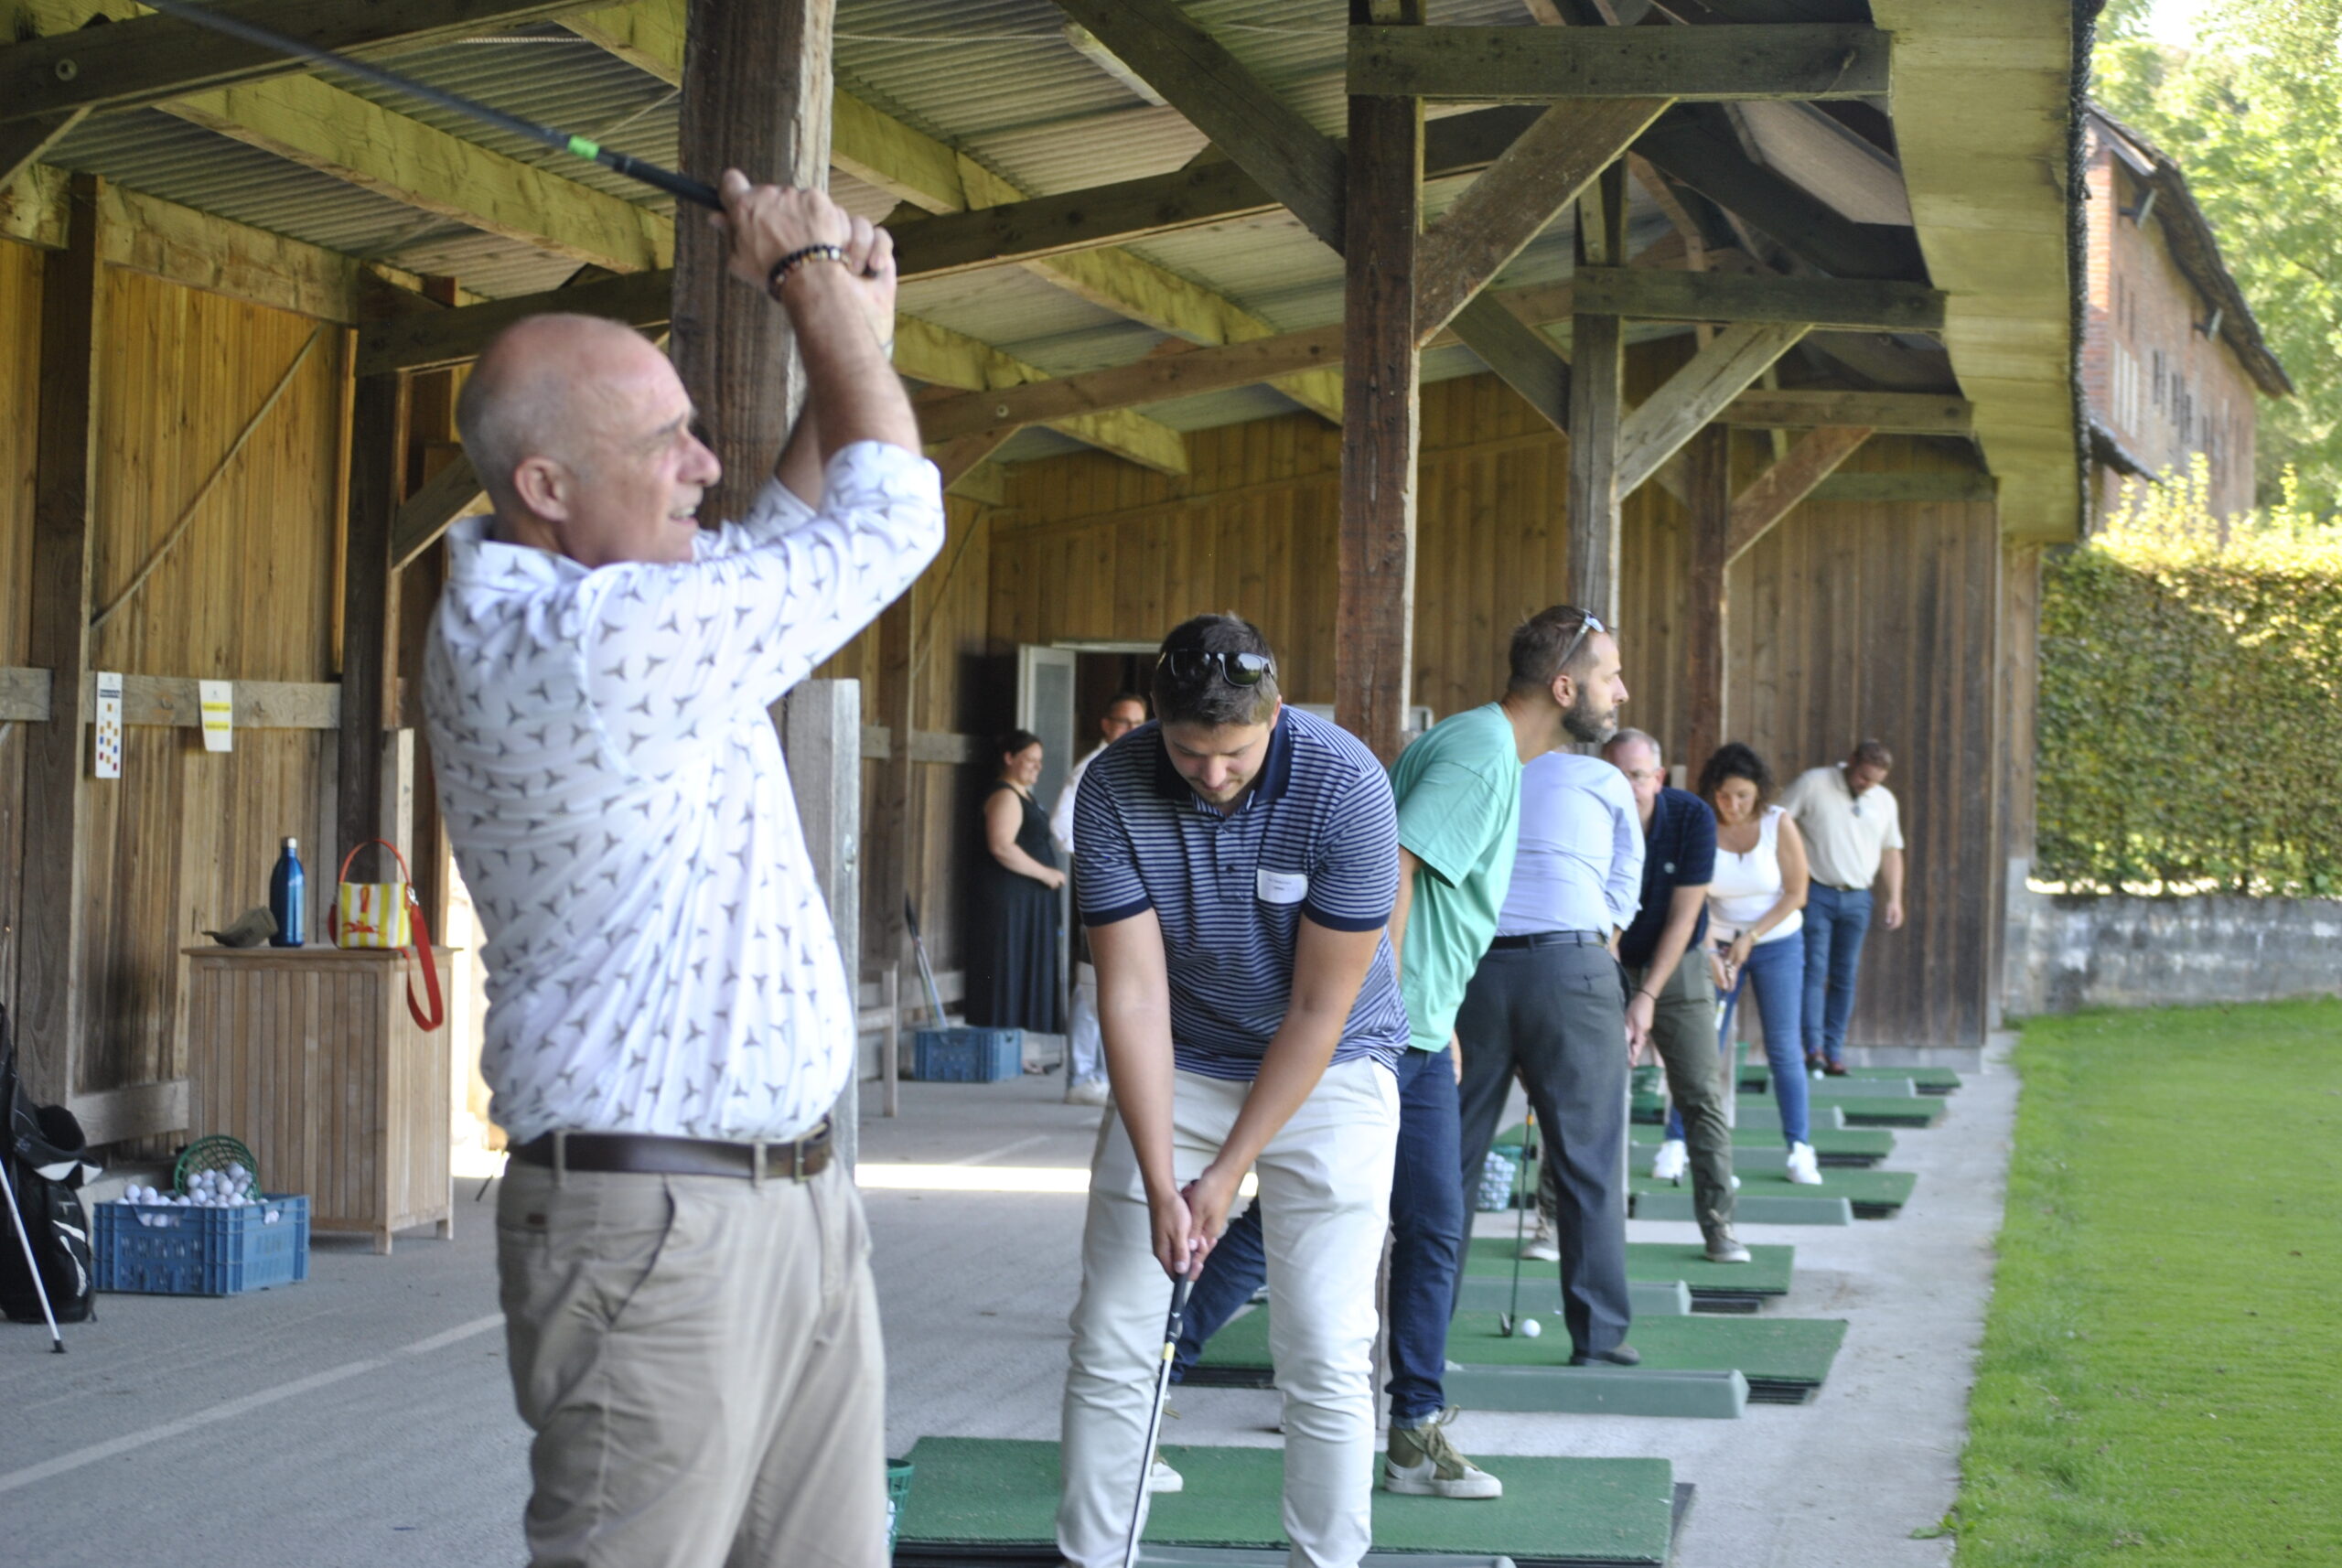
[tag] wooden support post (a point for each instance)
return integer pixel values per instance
(821, 732)
(364, 807)
(56, 816)
(1374, 621)
(889, 833)
(1707, 483)
(755, 96)
(1598, 393)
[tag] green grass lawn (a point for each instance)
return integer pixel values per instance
(2161, 1373)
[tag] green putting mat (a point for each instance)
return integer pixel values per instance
(1873, 1194)
(1861, 1110)
(1757, 1077)
(1714, 1286)
(1784, 1358)
(979, 1501)
(1758, 1112)
(1833, 1145)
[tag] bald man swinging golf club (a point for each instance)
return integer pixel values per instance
(686, 1289)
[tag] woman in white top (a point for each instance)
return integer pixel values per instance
(1755, 921)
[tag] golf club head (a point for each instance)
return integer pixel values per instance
(1504, 1325)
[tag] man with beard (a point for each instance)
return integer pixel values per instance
(1546, 1001)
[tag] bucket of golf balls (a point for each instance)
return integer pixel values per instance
(1499, 1175)
(223, 1236)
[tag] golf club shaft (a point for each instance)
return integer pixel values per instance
(1171, 1327)
(673, 184)
(1520, 1216)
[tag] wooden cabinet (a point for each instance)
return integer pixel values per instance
(309, 1057)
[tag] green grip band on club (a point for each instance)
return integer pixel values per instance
(583, 148)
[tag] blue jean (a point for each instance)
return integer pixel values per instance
(1778, 972)
(1835, 924)
(1426, 1247)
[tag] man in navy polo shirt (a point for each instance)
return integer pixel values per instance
(1672, 1000)
(1238, 861)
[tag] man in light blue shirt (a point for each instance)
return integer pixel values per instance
(1549, 1001)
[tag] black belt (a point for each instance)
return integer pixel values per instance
(1553, 939)
(639, 1153)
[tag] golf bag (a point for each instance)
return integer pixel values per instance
(43, 1151)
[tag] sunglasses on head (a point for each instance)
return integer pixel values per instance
(1236, 668)
(1589, 625)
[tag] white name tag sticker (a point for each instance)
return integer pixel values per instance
(1282, 887)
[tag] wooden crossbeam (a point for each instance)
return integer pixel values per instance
(1687, 148)
(146, 59)
(1916, 488)
(1792, 477)
(1301, 166)
(22, 142)
(320, 127)
(1188, 197)
(1552, 65)
(1523, 192)
(1895, 414)
(1695, 395)
(1865, 304)
(425, 340)
(426, 514)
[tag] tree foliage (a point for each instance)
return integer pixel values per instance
(2254, 115)
(2190, 727)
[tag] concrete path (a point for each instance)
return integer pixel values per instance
(363, 1418)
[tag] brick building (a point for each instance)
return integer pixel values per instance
(2171, 354)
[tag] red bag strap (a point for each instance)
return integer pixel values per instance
(438, 1011)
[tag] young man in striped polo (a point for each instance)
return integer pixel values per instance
(1238, 861)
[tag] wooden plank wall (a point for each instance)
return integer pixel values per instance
(1847, 620)
(955, 689)
(186, 838)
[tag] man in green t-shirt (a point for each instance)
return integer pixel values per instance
(1458, 790)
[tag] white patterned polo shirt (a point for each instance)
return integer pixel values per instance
(659, 956)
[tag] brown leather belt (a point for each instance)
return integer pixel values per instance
(639, 1154)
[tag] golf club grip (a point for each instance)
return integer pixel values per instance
(680, 186)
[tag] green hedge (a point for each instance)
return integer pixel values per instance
(2191, 713)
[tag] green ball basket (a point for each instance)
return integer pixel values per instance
(898, 1496)
(214, 1153)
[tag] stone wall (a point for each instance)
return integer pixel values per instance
(2068, 951)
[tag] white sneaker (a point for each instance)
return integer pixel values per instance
(1804, 1169)
(1672, 1161)
(1542, 1246)
(1160, 1477)
(1088, 1092)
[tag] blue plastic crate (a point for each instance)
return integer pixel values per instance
(202, 1251)
(967, 1055)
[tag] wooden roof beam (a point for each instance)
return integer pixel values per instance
(1795, 475)
(1686, 148)
(1888, 414)
(1857, 303)
(146, 59)
(1696, 394)
(915, 167)
(1300, 165)
(1555, 65)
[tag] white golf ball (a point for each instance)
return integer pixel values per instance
(1531, 1328)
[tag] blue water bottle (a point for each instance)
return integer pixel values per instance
(288, 897)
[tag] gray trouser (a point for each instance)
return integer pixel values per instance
(1683, 1032)
(1558, 1014)
(699, 1358)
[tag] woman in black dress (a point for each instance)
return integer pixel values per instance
(1013, 980)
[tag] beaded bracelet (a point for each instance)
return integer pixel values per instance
(795, 259)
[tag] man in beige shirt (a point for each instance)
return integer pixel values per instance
(1854, 837)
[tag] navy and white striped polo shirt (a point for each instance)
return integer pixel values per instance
(1318, 833)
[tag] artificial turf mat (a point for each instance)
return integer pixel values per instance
(1875, 1195)
(1885, 1110)
(1851, 1146)
(1784, 1358)
(2157, 1383)
(994, 1502)
(1758, 1112)
(1757, 1077)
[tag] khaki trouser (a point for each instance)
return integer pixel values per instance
(1684, 1032)
(700, 1359)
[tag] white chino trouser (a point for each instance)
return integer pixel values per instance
(1325, 1191)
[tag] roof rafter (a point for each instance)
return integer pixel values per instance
(915, 167)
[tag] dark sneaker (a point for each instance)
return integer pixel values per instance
(1619, 1354)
